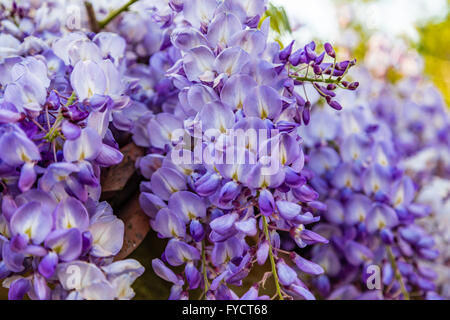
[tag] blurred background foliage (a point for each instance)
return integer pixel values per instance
(434, 45)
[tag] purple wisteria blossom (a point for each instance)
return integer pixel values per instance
(208, 193)
(371, 217)
(58, 96)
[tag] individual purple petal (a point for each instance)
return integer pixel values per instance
(74, 47)
(87, 79)
(263, 252)
(208, 184)
(231, 61)
(27, 177)
(375, 179)
(251, 294)
(70, 131)
(168, 225)
(306, 265)
(47, 266)
(178, 252)
(9, 113)
(86, 147)
(18, 242)
(12, 260)
(71, 213)
(187, 205)
(222, 28)
(229, 191)
(288, 210)
(166, 181)
(306, 218)
(176, 293)
(303, 292)
(286, 52)
(263, 102)
(267, 175)
(266, 202)
(108, 156)
(293, 179)
(310, 237)
(199, 95)
(32, 221)
(66, 243)
(187, 38)
(110, 44)
(55, 173)
(429, 254)
(8, 206)
(161, 128)
(150, 203)
(355, 148)
(40, 288)
(196, 230)
(129, 268)
(107, 233)
(216, 115)
(27, 93)
(193, 276)
(21, 149)
(305, 193)
(251, 40)
(19, 288)
(165, 273)
(334, 212)
(402, 192)
(346, 292)
(357, 208)
(387, 236)
(288, 148)
(198, 64)
(149, 164)
(357, 253)
(236, 89)
(286, 274)
(224, 223)
(228, 249)
(247, 226)
(381, 216)
(344, 176)
(199, 12)
(329, 50)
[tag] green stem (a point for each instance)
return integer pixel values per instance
(398, 275)
(308, 79)
(272, 260)
(205, 275)
(113, 14)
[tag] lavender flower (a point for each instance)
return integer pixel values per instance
(231, 82)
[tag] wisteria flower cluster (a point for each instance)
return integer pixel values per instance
(57, 102)
(415, 124)
(371, 214)
(209, 196)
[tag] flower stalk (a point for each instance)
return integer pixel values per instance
(398, 275)
(204, 271)
(272, 260)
